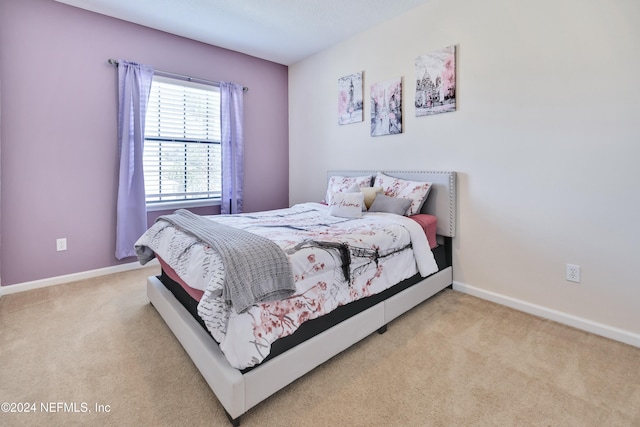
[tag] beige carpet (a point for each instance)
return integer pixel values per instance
(454, 360)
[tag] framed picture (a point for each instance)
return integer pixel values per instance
(350, 99)
(436, 82)
(386, 107)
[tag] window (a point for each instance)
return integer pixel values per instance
(181, 159)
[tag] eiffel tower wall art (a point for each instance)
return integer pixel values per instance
(436, 82)
(350, 99)
(386, 107)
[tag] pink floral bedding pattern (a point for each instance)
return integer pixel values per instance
(417, 192)
(341, 184)
(334, 261)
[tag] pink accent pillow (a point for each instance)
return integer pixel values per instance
(416, 191)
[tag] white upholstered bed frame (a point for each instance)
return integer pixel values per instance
(238, 392)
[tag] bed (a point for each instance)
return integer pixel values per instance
(240, 388)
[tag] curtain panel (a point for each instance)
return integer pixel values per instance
(134, 85)
(232, 146)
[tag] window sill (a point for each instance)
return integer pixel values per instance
(181, 204)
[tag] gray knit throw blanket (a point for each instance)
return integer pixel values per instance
(256, 269)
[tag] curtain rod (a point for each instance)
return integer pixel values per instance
(167, 74)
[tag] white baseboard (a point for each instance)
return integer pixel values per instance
(606, 331)
(51, 281)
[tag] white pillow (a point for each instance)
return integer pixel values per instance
(416, 191)
(339, 184)
(346, 205)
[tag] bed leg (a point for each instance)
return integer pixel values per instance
(235, 422)
(382, 330)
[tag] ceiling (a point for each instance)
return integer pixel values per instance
(282, 31)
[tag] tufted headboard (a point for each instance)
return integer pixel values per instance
(441, 201)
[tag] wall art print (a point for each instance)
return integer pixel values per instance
(350, 99)
(436, 82)
(386, 107)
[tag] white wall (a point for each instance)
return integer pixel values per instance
(546, 140)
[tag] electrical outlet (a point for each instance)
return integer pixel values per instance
(61, 244)
(573, 273)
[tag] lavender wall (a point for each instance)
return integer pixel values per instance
(59, 150)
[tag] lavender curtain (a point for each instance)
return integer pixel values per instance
(134, 84)
(232, 148)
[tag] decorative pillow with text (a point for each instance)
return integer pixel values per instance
(346, 205)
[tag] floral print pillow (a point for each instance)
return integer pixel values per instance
(416, 191)
(341, 184)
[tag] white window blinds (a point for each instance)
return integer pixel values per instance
(182, 141)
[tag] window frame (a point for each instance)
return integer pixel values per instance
(185, 202)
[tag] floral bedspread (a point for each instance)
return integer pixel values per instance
(334, 261)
